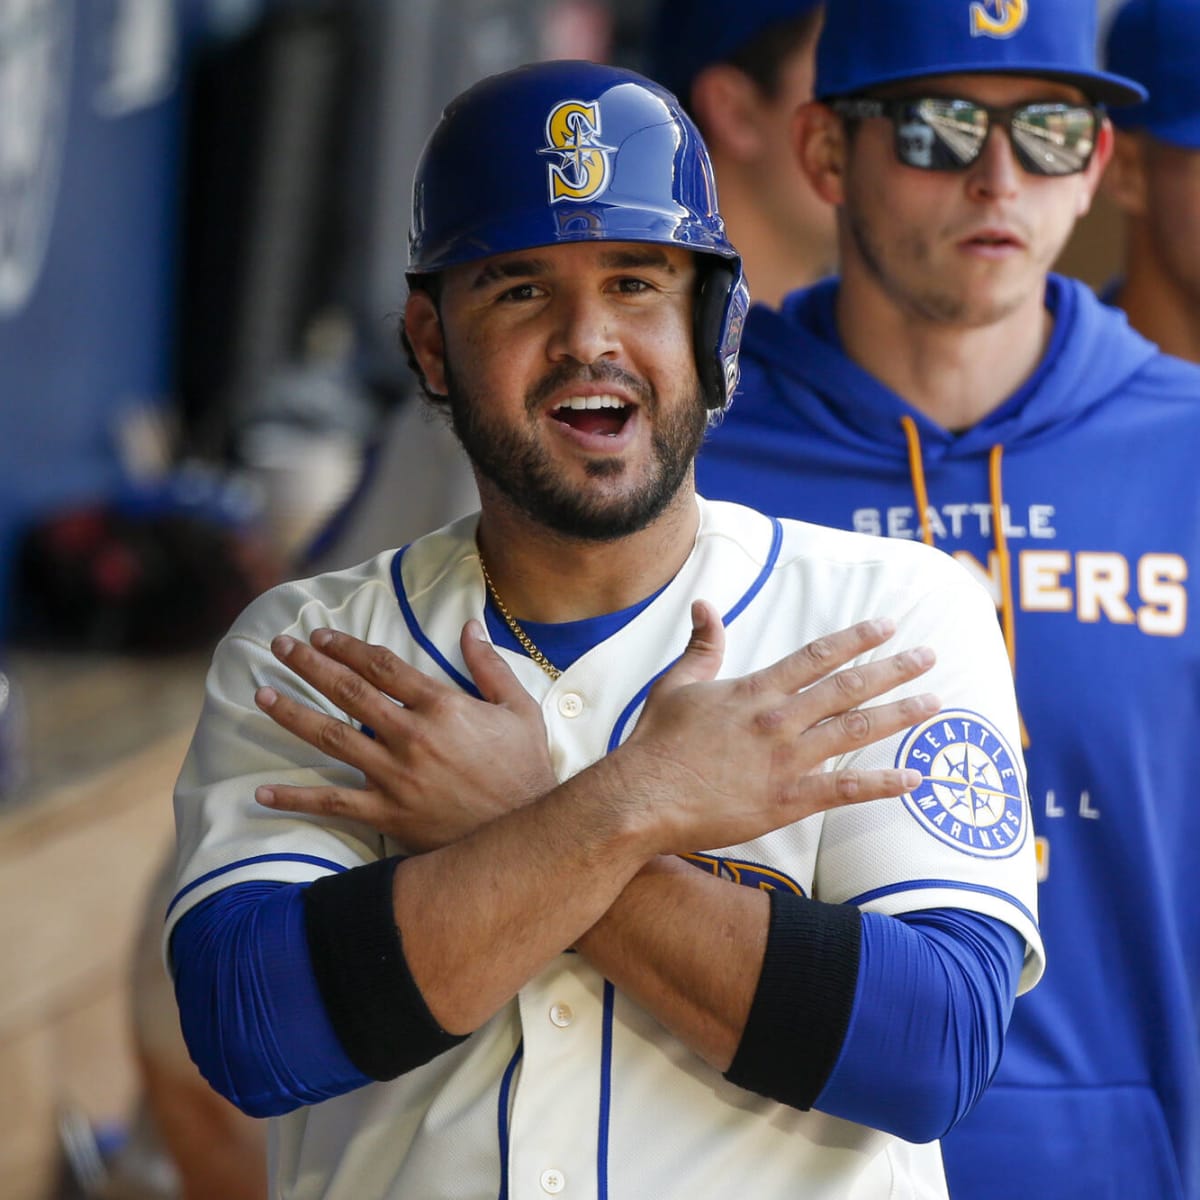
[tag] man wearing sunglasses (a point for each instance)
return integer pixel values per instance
(949, 387)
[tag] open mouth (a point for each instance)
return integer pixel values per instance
(604, 415)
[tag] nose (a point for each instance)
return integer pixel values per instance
(584, 329)
(995, 174)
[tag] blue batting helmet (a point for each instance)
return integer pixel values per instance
(572, 152)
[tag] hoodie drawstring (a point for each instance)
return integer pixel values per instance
(916, 468)
(916, 472)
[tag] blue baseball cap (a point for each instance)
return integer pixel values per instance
(1158, 43)
(867, 43)
(688, 35)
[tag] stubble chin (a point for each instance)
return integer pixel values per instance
(955, 296)
(965, 309)
(933, 288)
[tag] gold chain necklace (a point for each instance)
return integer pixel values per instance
(517, 632)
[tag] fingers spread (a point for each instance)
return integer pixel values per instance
(847, 689)
(341, 803)
(337, 739)
(493, 676)
(705, 651)
(341, 685)
(824, 655)
(834, 788)
(381, 668)
(858, 727)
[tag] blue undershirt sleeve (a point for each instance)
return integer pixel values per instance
(250, 1008)
(934, 996)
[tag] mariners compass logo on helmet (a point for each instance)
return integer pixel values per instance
(997, 18)
(972, 795)
(584, 165)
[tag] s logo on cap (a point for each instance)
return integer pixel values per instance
(583, 167)
(997, 18)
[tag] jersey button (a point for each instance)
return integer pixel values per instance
(553, 1182)
(561, 1015)
(570, 704)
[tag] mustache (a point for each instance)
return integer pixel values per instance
(566, 374)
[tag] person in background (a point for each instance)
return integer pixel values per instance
(741, 70)
(1154, 176)
(949, 388)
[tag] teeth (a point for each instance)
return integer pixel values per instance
(579, 403)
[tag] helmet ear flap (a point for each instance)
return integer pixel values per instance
(722, 300)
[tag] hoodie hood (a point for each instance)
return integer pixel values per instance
(1091, 356)
(1097, 501)
(796, 378)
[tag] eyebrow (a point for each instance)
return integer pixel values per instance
(617, 259)
(642, 256)
(508, 268)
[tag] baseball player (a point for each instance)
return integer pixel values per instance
(1154, 176)
(556, 853)
(947, 389)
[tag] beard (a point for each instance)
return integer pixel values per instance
(514, 461)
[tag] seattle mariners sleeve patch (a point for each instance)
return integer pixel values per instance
(972, 794)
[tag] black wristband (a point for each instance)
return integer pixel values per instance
(371, 998)
(802, 1005)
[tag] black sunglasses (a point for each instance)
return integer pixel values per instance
(935, 133)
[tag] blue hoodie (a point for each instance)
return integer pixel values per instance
(1095, 464)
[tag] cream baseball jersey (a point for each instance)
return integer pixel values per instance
(572, 1089)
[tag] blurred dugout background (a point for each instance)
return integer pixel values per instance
(203, 221)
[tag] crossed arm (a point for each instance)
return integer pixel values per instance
(507, 868)
(510, 868)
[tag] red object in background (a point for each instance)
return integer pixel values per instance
(99, 578)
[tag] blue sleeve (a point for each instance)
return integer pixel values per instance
(933, 1000)
(249, 1004)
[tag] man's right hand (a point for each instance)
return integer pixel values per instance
(441, 762)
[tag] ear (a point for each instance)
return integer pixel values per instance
(1124, 181)
(1090, 179)
(423, 328)
(820, 145)
(726, 102)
